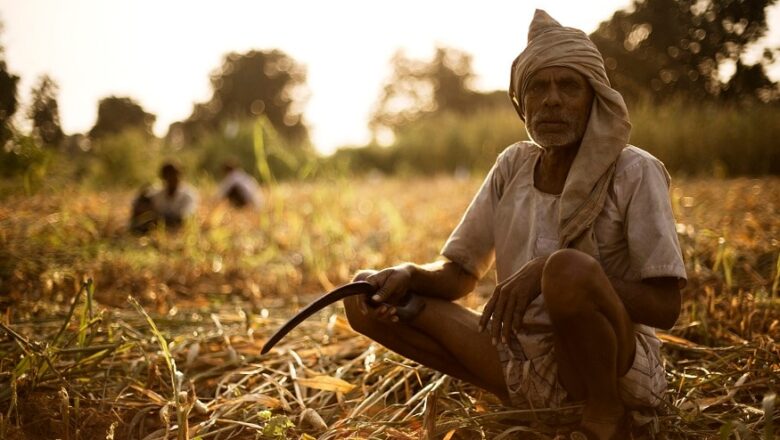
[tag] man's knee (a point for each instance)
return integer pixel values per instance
(568, 280)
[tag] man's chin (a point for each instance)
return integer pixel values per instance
(553, 140)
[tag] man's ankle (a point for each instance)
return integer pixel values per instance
(599, 412)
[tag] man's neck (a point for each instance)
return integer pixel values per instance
(553, 168)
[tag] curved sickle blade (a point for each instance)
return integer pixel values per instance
(347, 290)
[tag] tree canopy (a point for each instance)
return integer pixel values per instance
(115, 114)
(418, 87)
(660, 49)
(256, 83)
(44, 111)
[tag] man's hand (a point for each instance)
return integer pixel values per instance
(392, 286)
(441, 279)
(511, 298)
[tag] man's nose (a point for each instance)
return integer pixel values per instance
(553, 96)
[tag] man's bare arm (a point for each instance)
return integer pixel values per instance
(441, 279)
(653, 301)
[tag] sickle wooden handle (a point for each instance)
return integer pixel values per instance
(347, 290)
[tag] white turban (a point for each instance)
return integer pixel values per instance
(552, 45)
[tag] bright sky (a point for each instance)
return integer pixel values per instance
(160, 53)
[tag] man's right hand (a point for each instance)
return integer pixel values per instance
(441, 279)
(392, 286)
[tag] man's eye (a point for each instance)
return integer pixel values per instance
(535, 88)
(570, 87)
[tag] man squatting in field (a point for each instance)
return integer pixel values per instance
(580, 227)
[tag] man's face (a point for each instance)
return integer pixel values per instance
(171, 179)
(557, 105)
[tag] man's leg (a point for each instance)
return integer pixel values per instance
(594, 336)
(444, 337)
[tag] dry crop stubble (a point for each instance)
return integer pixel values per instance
(219, 288)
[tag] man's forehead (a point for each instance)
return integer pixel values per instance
(556, 73)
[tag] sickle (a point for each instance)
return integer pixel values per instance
(347, 290)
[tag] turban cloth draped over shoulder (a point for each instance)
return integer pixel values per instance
(607, 132)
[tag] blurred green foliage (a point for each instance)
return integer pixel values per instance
(708, 138)
(443, 142)
(690, 139)
(256, 146)
(128, 158)
(23, 163)
(674, 49)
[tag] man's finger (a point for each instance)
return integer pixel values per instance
(508, 318)
(520, 307)
(384, 311)
(517, 322)
(498, 313)
(393, 288)
(483, 320)
(386, 286)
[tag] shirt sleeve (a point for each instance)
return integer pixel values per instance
(189, 203)
(225, 184)
(472, 243)
(650, 227)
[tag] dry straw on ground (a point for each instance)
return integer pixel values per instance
(78, 360)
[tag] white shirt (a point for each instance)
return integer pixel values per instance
(512, 222)
(181, 204)
(244, 183)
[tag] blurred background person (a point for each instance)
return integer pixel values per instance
(143, 216)
(171, 204)
(177, 200)
(238, 187)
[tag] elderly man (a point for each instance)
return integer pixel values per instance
(580, 227)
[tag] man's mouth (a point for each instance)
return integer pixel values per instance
(551, 122)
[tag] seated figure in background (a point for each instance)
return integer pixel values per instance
(143, 217)
(171, 204)
(238, 187)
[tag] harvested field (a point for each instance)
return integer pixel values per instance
(108, 335)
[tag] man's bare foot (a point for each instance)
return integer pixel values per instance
(605, 427)
(604, 423)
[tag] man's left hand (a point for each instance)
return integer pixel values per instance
(506, 307)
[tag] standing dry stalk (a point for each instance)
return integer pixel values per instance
(768, 405)
(185, 400)
(165, 418)
(65, 410)
(429, 417)
(181, 416)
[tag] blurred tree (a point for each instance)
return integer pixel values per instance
(416, 88)
(115, 114)
(44, 112)
(660, 49)
(750, 84)
(249, 85)
(8, 101)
